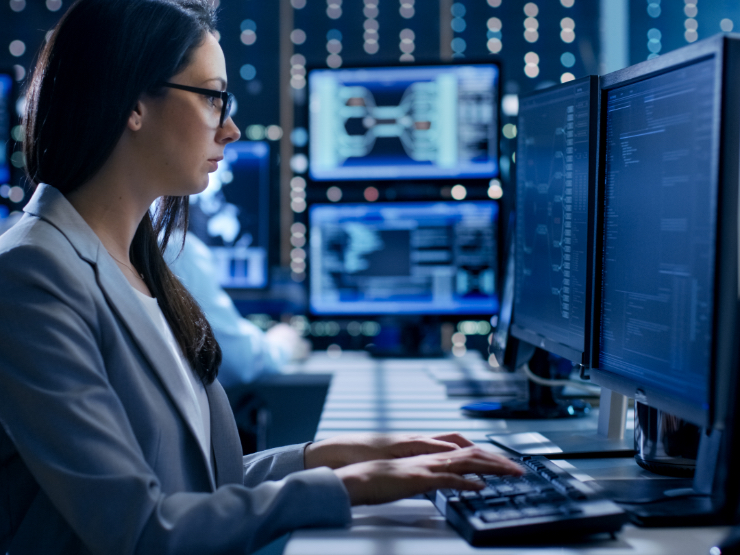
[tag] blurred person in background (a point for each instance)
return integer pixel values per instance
(248, 351)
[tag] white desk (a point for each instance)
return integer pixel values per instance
(401, 396)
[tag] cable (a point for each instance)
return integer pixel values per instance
(557, 383)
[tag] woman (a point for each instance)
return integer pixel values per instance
(116, 438)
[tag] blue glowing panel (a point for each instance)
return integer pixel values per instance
(404, 258)
(435, 122)
(231, 215)
(6, 91)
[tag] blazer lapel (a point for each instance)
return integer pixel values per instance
(227, 451)
(48, 203)
(124, 302)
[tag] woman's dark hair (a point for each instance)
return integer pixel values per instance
(102, 56)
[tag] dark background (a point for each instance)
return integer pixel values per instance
(266, 70)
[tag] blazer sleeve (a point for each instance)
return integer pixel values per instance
(273, 464)
(72, 432)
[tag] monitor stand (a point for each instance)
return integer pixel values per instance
(540, 403)
(674, 502)
(608, 440)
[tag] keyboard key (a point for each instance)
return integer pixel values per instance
(488, 492)
(498, 516)
(523, 488)
(541, 511)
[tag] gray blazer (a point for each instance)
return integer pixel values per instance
(96, 451)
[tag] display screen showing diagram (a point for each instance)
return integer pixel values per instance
(433, 122)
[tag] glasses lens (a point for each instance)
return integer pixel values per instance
(226, 111)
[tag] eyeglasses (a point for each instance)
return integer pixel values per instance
(227, 99)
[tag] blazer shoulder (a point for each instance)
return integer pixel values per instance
(36, 257)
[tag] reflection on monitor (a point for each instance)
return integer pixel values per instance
(404, 258)
(553, 234)
(231, 215)
(6, 109)
(434, 122)
(660, 219)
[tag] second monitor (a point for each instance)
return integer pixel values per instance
(554, 230)
(434, 258)
(554, 258)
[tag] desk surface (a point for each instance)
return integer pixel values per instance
(392, 395)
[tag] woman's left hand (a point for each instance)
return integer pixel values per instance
(343, 450)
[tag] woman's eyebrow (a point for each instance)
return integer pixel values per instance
(219, 79)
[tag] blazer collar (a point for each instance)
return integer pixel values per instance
(50, 205)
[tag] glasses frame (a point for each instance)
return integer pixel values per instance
(226, 97)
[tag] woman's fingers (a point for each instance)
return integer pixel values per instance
(454, 437)
(420, 445)
(443, 480)
(425, 445)
(381, 481)
(475, 460)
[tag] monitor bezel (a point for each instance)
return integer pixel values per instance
(444, 316)
(440, 181)
(533, 337)
(724, 318)
(12, 119)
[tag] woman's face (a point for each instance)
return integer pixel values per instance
(180, 138)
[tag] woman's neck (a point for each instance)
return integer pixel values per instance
(113, 206)
(112, 214)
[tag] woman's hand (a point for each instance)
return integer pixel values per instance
(382, 481)
(356, 448)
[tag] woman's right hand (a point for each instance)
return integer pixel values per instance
(382, 481)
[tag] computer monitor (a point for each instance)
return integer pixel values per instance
(404, 122)
(6, 121)
(668, 277)
(556, 175)
(404, 258)
(232, 215)
(557, 143)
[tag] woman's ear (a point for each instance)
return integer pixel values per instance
(136, 117)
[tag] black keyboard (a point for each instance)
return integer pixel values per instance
(544, 504)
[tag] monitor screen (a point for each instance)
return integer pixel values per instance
(231, 215)
(6, 111)
(659, 239)
(430, 122)
(404, 258)
(553, 234)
